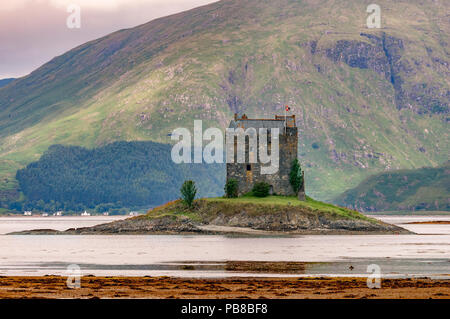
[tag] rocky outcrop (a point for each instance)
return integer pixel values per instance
(299, 222)
(385, 55)
(359, 54)
(139, 225)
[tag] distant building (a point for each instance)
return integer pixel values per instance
(105, 214)
(247, 174)
(27, 213)
(44, 214)
(58, 213)
(134, 214)
(86, 214)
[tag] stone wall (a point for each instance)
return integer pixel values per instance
(279, 181)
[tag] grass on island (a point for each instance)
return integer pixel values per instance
(210, 207)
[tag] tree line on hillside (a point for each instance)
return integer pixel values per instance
(426, 188)
(121, 174)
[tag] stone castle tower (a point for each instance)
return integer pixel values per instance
(247, 174)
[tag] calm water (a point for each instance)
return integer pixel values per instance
(424, 254)
(19, 223)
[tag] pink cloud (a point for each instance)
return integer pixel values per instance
(34, 31)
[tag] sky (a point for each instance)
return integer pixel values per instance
(32, 32)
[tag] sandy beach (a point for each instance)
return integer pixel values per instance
(240, 288)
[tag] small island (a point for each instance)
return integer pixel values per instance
(246, 215)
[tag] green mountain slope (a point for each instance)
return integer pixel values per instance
(365, 100)
(4, 82)
(130, 174)
(417, 189)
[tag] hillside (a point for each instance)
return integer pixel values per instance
(4, 82)
(273, 215)
(366, 100)
(418, 189)
(121, 174)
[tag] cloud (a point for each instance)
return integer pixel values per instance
(116, 4)
(34, 31)
(8, 6)
(94, 4)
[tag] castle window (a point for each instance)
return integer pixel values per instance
(249, 167)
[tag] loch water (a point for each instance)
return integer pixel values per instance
(424, 254)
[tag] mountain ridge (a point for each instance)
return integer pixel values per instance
(4, 82)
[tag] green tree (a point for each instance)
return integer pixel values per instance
(40, 204)
(188, 192)
(296, 176)
(261, 189)
(231, 188)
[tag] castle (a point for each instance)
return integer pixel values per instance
(247, 173)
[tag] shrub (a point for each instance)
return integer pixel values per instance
(296, 176)
(231, 188)
(261, 189)
(188, 192)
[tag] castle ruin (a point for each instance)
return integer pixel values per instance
(247, 173)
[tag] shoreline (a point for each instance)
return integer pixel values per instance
(245, 216)
(55, 287)
(212, 230)
(436, 222)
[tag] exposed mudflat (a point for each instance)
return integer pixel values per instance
(251, 288)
